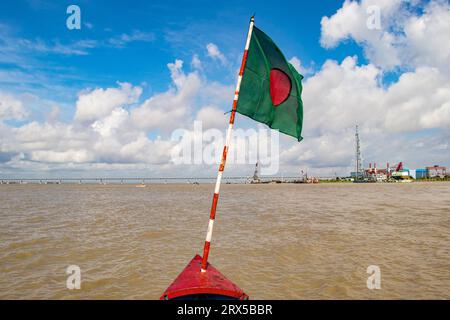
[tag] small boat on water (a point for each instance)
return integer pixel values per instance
(193, 284)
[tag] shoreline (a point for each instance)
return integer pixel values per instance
(197, 183)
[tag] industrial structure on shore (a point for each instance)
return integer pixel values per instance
(391, 173)
(399, 173)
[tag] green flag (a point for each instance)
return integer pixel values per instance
(271, 87)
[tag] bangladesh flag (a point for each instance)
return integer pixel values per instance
(271, 87)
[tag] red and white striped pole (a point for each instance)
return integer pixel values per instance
(212, 215)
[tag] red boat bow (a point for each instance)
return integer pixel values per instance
(191, 282)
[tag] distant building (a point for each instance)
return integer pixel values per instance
(354, 175)
(376, 174)
(436, 171)
(421, 173)
(404, 174)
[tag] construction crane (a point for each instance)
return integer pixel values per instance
(256, 174)
(359, 172)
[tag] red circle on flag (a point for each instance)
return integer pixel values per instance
(280, 86)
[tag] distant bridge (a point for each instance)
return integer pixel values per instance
(142, 180)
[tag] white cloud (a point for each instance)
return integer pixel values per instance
(17, 49)
(214, 52)
(350, 22)
(39, 46)
(175, 108)
(58, 136)
(321, 151)
(396, 117)
(53, 115)
(196, 63)
(110, 140)
(339, 96)
(67, 156)
(299, 66)
(212, 117)
(100, 102)
(11, 108)
(406, 37)
(426, 37)
(125, 38)
(170, 109)
(419, 100)
(110, 128)
(345, 94)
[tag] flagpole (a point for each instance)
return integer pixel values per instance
(212, 214)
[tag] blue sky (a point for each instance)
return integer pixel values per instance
(174, 30)
(49, 73)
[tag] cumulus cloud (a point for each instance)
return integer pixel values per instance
(299, 66)
(175, 107)
(212, 117)
(58, 136)
(214, 52)
(351, 22)
(405, 37)
(11, 108)
(419, 100)
(66, 156)
(110, 126)
(170, 109)
(341, 95)
(196, 63)
(417, 39)
(110, 140)
(404, 119)
(426, 37)
(100, 102)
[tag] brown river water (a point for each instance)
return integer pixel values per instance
(274, 241)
